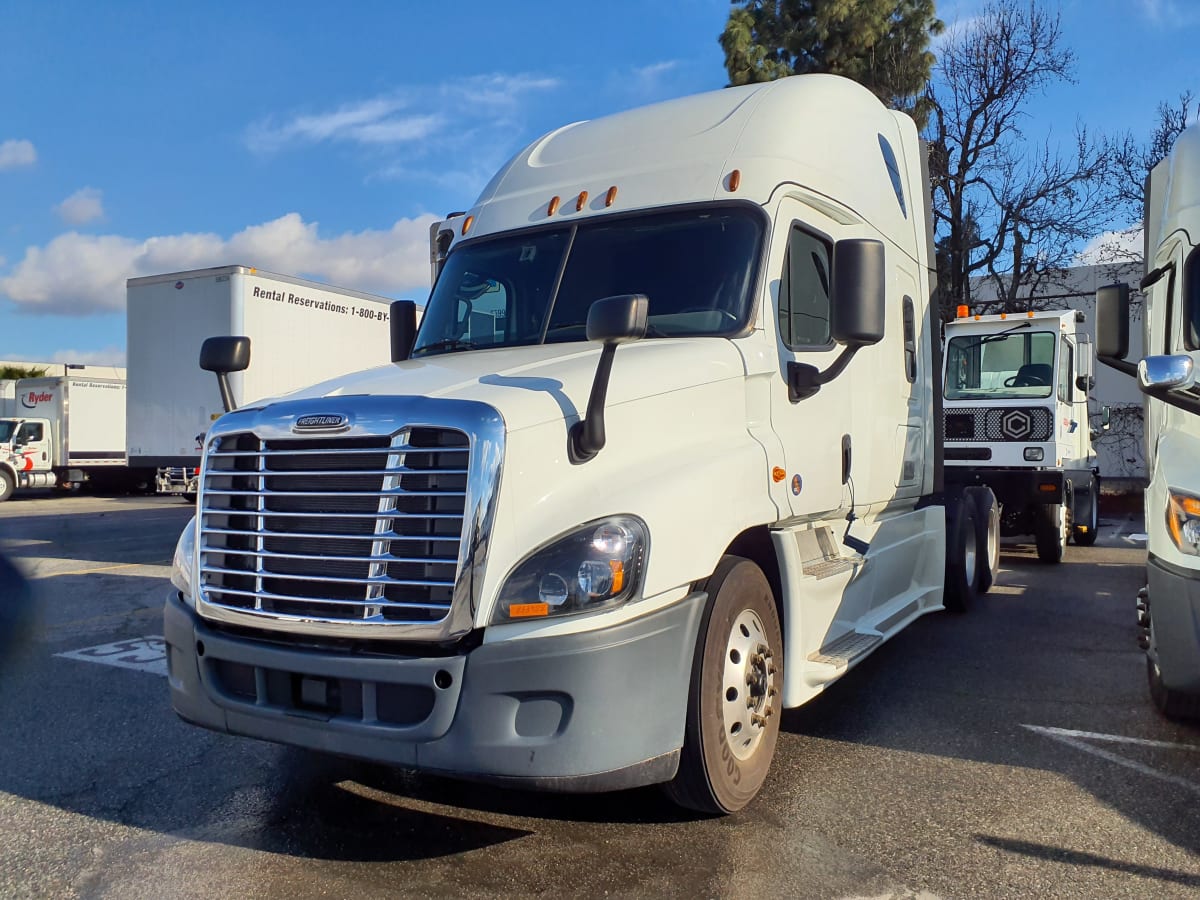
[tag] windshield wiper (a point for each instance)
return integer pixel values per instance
(448, 344)
(998, 336)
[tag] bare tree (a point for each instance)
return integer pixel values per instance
(1005, 207)
(1132, 159)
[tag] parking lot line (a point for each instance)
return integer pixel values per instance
(1078, 740)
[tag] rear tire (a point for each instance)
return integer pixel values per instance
(7, 485)
(987, 535)
(1050, 533)
(1172, 704)
(735, 699)
(962, 551)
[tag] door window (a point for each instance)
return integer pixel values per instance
(804, 292)
(1066, 365)
(29, 432)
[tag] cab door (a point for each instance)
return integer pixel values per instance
(32, 443)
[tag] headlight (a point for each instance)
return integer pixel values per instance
(1034, 454)
(181, 565)
(1183, 521)
(598, 566)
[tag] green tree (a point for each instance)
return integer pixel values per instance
(7, 372)
(882, 44)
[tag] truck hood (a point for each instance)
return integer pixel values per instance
(533, 385)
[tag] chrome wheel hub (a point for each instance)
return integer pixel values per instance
(749, 688)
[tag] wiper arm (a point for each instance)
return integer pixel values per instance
(448, 344)
(998, 336)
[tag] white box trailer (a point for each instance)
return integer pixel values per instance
(303, 332)
(65, 430)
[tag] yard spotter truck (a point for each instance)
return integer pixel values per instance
(303, 332)
(1168, 608)
(515, 554)
(65, 431)
(1016, 419)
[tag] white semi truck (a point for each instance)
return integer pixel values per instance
(1016, 418)
(66, 430)
(521, 554)
(1168, 609)
(303, 332)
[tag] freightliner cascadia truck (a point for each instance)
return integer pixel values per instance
(1016, 391)
(1168, 609)
(662, 460)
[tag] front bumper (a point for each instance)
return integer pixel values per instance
(1014, 488)
(594, 711)
(1175, 614)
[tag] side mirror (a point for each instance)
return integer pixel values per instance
(1112, 321)
(1161, 374)
(1085, 383)
(1106, 417)
(858, 312)
(859, 292)
(223, 355)
(611, 321)
(403, 321)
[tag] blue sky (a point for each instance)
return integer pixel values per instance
(321, 139)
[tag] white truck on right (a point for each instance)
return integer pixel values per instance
(1168, 608)
(1016, 417)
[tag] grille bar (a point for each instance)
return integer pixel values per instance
(389, 536)
(332, 579)
(422, 560)
(326, 473)
(345, 451)
(395, 492)
(304, 514)
(269, 595)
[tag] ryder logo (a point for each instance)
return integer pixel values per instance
(33, 398)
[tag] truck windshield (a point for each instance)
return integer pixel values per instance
(1000, 367)
(696, 266)
(7, 427)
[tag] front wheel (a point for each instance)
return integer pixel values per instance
(1172, 704)
(7, 485)
(1050, 533)
(734, 702)
(962, 554)
(987, 535)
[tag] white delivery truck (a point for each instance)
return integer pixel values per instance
(1016, 419)
(66, 430)
(663, 460)
(303, 332)
(1168, 610)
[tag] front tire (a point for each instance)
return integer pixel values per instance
(7, 485)
(735, 699)
(1050, 534)
(1172, 704)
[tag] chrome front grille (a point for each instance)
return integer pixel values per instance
(334, 529)
(997, 423)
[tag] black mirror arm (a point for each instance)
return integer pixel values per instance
(226, 392)
(804, 380)
(587, 435)
(1121, 365)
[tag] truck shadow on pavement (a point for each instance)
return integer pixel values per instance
(1050, 651)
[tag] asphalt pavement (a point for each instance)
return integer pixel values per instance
(1010, 751)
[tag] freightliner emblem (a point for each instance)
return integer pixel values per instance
(326, 422)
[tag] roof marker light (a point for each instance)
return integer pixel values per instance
(735, 179)
(1003, 315)
(467, 223)
(553, 207)
(611, 197)
(963, 311)
(581, 201)
(1030, 314)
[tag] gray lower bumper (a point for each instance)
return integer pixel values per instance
(596, 711)
(1175, 612)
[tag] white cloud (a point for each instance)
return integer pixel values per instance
(653, 70)
(83, 206)
(1170, 12)
(14, 154)
(109, 356)
(80, 274)
(1112, 246)
(405, 116)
